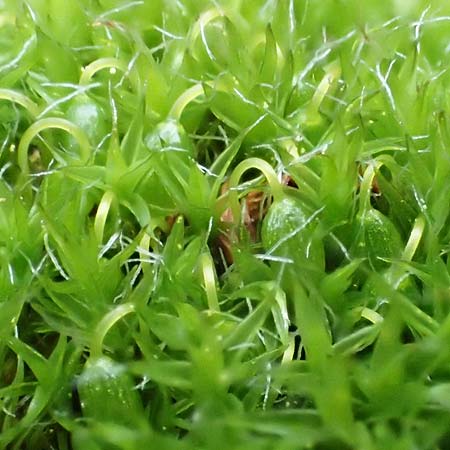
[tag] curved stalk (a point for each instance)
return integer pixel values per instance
(112, 64)
(106, 324)
(51, 122)
(20, 99)
(252, 163)
(184, 99)
(209, 278)
(366, 186)
(103, 63)
(102, 213)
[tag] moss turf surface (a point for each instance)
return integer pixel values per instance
(224, 224)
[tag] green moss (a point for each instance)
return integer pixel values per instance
(135, 224)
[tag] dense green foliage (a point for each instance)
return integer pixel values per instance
(224, 224)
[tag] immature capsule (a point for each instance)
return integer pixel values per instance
(378, 238)
(107, 393)
(88, 115)
(288, 231)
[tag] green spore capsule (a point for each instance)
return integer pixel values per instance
(289, 227)
(288, 231)
(89, 116)
(107, 393)
(377, 239)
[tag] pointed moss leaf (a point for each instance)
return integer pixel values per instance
(336, 283)
(175, 243)
(169, 329)
(269, 64)
(138, 206)
(248, 327)
(176, 374)
(36, 362)
(132, 143)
